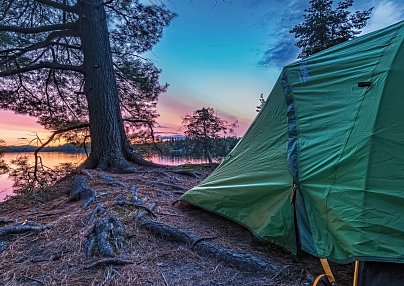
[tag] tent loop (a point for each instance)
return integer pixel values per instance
(328, 273)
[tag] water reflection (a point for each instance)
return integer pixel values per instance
(21, 176)
(57, 164)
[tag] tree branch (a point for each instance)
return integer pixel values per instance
(64, 7)
(37, 46)
(149, 123)
(57, 132)
(40, 29)
(43, 65)
(62, 34)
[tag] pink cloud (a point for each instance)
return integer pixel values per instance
(14, 126)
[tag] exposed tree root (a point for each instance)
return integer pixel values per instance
(137, 202)
(107, 237)
(242, 261)
(87, 174)
(108, 261)
(146, 210)
(136, 158)
(140, 204)
(81, 191)
(120, 200)
(116, 164)
(98, 209)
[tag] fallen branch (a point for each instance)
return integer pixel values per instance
(108, 261)
(18, 229)
(242, 261)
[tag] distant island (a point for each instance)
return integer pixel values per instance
(65, 148)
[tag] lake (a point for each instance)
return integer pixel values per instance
(52, 159)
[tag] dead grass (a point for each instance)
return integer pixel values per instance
(56, 256)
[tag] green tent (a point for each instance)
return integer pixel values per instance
(321, 168)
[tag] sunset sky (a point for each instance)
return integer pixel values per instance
(212, 56)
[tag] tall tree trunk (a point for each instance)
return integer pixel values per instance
(109, 146)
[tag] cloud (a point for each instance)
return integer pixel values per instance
(281, 49)
(280, 54)
(385, 13)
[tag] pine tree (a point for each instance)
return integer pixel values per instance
(76, 65)
(204, 126)
(324, 27)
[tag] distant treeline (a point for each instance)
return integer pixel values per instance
(65, 148)
(187, 147)
(177, 147)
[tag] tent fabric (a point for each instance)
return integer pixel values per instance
(334, 126)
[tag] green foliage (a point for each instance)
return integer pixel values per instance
(203, 126)
(324, 27)
(219, 147)
(204, 123)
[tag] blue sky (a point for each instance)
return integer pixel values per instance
(212, 53)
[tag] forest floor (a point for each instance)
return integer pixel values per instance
(56, 256)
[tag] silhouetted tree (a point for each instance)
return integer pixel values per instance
(204, 125)
(76, 64)
(3, 164)
(324, 27)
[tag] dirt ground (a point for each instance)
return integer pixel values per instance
(56, 256)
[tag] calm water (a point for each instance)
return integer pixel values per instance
(52, 159)
(49, 159)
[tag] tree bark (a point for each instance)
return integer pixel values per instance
(109, 146)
